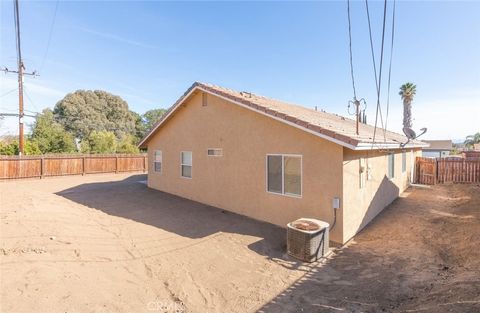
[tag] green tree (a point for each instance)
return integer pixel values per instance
(151, 117)
(407, 92)
(31, 148)
(85, 111)
(6, 148)
(99, 142)
(139, 126)
(472, 139)
(12, 147)
(127, 145)
(50, 136)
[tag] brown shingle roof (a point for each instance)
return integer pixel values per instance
(336, 128)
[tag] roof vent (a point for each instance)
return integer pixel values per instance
(246, 94)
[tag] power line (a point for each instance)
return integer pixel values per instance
(390, 66)
(50, 35)
(378, 79)
(16, 19)
(30, 99)
(20, 72)
(8, 92)
(16, 115)
(350, 46)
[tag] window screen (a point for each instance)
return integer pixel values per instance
(391, 165)
(284, 174)
(292, 175)
(275, 173)
(157, 161)
(186, 159)
(404, 161)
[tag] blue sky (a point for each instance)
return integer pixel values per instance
(149, 53)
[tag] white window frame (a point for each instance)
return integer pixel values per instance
(393, 165)
(215, 149)
(283, 174)
(155, 161)
(182, 165)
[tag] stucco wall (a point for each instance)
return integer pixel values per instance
(361, 205)
(237, 180)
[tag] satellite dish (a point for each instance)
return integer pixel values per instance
(410, 133)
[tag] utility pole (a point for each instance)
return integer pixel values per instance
(20, 73)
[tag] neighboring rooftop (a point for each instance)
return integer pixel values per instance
(443, 145)
(332, 127)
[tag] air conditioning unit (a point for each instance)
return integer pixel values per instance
(307, 239)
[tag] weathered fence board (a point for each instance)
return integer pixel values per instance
(430, 171)
(425, 171)
(131, 163)
(20, 168)
(62, 166)
(458, 170)
(59, 165)
(100, 165)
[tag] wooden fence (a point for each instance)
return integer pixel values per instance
(431, 171)
(60, 165)
(425, 171)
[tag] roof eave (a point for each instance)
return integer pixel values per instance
(352, 144)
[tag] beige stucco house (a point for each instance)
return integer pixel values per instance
(276, 162)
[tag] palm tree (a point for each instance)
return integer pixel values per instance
(472, 139)
(407, 92)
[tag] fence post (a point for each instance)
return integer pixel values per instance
(116, 164)
(42, 167)
(83, 165)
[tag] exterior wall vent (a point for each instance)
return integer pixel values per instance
(308, 239)
(204, 99)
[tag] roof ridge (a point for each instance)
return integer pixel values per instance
(331, 126)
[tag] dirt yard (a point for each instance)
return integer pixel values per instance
(106, 243)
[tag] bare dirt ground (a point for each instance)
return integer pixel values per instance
(421, 254)
(106, 243)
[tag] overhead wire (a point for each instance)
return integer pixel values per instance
(390, 67)
(49, 36)
(30, 99)
(17, 32)
(8, 92)
(378, 78)
(350, 46)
